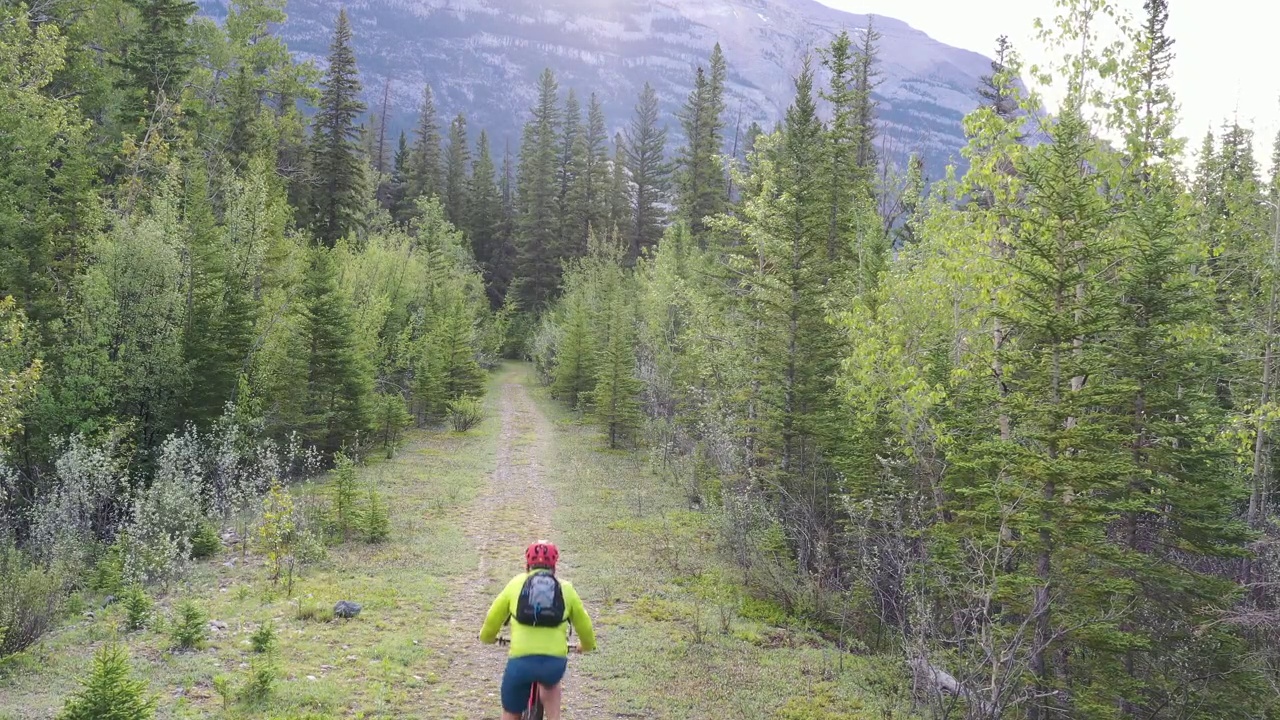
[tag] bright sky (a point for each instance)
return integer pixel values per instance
(1225, 65)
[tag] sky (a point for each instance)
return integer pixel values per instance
(1223, 68)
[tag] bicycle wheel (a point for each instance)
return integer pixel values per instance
(535, 712)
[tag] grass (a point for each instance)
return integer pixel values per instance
(675, 641)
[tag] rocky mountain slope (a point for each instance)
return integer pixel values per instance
(483, 57)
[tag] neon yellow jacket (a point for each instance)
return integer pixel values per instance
(529, 640)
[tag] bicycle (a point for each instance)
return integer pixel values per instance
(534, 710)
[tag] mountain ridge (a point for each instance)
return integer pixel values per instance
(483, 58)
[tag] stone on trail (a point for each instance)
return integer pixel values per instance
(346, 609)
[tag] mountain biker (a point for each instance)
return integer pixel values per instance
(539, 652)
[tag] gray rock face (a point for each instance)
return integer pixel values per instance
(346, 609)
(483, 57)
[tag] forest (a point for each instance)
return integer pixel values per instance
(1012, 424)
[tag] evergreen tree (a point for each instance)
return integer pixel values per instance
(336, 400)
(537, 210)
(574, 376)
(459, 157)
(337, 201)
(619, 188)
(650, 175)
(157, 58)
(615, 397)
(700, 174)
(866, 73)
(111, 692)
(566, 173)
(485, 219)
(398, 193)
(995, 90)
(425, 168)
(588, 199)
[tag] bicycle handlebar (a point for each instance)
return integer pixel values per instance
(504, 640)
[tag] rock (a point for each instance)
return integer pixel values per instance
(108, 600)
(312, 678)
(346, 609)
(89, 615)
(326, 667)
(217, 625)
(352, 658)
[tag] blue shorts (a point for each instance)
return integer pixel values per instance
(523, 672)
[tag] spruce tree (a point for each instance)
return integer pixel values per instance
(398, 194)
(456, 182)
(111, 692)
(537, 210)
(485, 218)
(337, 201)
(619, 189)
(338, 385)
(158, 58)
(574, 375)
(566, 172)
(700, 177)
(995, 90)
(615, 397)
(588, 199)
(650, 175)
(866, 74)
(426, 167)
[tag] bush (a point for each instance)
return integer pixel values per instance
(377, 518)
(205, 542)
(110, 692)
(31, 600)
(190, 628)
(137, 608)
(263, 640)
(277, 531)
(465, 413)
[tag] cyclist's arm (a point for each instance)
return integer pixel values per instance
(499, 611)
(580, 619)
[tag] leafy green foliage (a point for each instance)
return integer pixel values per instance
(205, 542)
(346, 509)
(110, 692)
(31, 599)
(465, 413)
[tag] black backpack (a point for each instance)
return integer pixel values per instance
(541, 602)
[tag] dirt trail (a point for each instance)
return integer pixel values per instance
(514, 508)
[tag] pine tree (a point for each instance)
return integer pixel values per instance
(574, 376)
(537, 211)
(158, 58)
(398, 194)
(111, 692)
(866, 73)
(619, 188)
(649, 173)
(336, 401)
(456, 182)
(995, 89)
(566, 173)
(588, 199)
(425, 168)
(337, 203)
(484, 220)
(615, 396)
(700, 174)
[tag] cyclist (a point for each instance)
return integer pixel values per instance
(542, 607)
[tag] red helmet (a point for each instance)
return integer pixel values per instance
(541, 554)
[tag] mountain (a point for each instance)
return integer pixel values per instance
(483, 58)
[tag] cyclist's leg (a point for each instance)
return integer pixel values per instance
(517, 683)
(551, 700)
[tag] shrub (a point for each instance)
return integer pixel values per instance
(205, 542)
(277, 530)
(312, 611)
(31, 599)
(137, 608)
(190, 628)
(465, 413)
(377, 519)
(108, 573)
(263, 640)
(346, 511)
(110, 692)
(261, 681)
